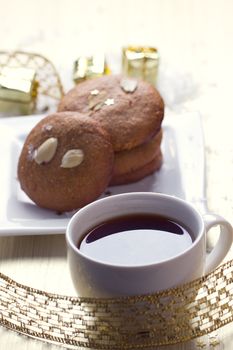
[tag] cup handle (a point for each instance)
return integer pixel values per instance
(223, 245)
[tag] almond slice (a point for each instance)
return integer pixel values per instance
(72, 158)
(129, 85)
(46, 151)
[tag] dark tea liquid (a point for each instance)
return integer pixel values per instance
(135, 240)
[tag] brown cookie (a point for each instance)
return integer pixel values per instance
(139, 173)
(130, 160)
(66, 162)
(130, 110)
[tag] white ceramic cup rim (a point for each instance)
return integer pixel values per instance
(85, 210)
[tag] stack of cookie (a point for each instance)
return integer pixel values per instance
(106, 131)
(131, 111)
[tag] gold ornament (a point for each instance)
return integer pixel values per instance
(29, 83)
(86, 67)
(140, 62)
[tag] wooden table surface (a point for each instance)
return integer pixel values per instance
(194, 39)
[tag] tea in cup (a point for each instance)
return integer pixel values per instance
(141, 243)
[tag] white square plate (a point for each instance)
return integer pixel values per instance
(181, 175)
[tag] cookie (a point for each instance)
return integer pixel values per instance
(66, 162)
(139, 173)
(130, 160)
(130, 110)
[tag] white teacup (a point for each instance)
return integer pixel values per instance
(96, 278)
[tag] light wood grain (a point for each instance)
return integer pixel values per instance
(194, 38)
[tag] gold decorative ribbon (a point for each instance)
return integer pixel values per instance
(139, 322)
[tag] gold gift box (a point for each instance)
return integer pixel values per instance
(89, 67)
(18, 90)
(140, 62)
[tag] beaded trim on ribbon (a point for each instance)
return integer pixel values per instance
(168, 317)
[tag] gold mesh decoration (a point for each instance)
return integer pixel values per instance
(140, 322)
(50, 88)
